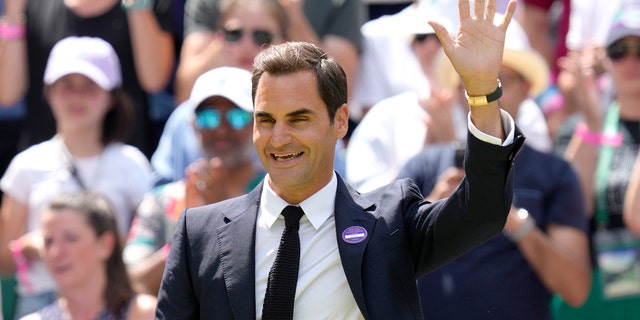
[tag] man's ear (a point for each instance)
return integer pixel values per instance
(341, 121)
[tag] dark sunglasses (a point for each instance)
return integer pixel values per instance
(211, 119)
(621, 49)
(260, 37)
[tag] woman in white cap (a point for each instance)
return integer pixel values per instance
(83, 86)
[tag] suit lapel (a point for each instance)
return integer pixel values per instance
(237, 253)
(350, 211)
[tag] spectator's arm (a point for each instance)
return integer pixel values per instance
(201, 51)
(13, 56)
(153, 50)
(559, 256)
(13, 220)
(535, 22)
(631, 212)
(580, 153)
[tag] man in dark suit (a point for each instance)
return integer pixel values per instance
(360, 254)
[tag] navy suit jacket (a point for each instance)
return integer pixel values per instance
(210, 271)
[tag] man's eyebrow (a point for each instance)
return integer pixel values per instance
(290, 114)
(262, 114)
(299, 112)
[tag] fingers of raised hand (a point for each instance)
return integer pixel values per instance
(511, 9)
(478, 8)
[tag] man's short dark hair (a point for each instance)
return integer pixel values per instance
(292, 57)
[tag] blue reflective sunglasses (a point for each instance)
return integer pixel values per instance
(211, 119)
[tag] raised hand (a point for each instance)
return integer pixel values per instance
(476, 51)
(476, 55)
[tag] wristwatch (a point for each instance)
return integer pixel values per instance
(133, 5)
(528, 224)
(478, 101)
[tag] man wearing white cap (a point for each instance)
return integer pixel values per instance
(221, 104)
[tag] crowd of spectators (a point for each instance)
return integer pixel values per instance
(170, 127)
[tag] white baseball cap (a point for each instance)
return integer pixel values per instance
(626, 23)
(92, 57)
(227, 82)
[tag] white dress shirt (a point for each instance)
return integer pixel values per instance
(322, 291)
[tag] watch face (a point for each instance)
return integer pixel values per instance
(523, 214)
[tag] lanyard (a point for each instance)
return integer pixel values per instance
(68, 158)
(603, 167)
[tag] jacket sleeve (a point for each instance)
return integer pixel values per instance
(177, 298)
(475, 212)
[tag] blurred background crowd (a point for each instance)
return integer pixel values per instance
(126, 112)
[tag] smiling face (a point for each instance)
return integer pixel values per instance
(293, 134)
(73, 252)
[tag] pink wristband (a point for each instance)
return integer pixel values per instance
(165, 251)
(12, 31)
(597, 139)
(22, 266)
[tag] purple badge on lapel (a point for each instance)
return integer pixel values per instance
(354, 234)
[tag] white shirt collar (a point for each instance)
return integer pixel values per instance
(317, 208)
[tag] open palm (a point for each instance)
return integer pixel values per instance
(476, 51)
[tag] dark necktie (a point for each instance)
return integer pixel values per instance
(283, 276)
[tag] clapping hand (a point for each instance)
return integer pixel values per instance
(206, 182)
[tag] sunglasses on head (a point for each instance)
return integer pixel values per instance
(210, 119)
(260, 37)
(623, 48)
